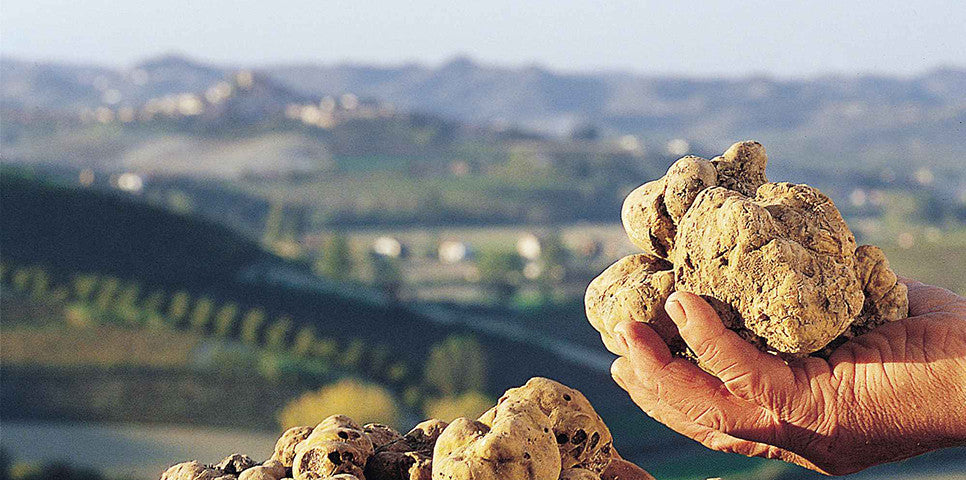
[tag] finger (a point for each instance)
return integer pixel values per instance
(677, 383)
(746, 371)
(710, 438)
(909, 281)
(619, 371)
(925, 299)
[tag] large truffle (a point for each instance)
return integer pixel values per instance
(519, 445)
(634, 288)
(775, 260)
(780, 265)
(581, 436)
(886, 299)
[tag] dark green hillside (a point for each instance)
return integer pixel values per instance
(81, 230)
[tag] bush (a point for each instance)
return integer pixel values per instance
(302, 345)
(251, 326)
(225, 320)
(201, 314)
(469, 405)
(500, 272)
(277, 333)
(178, 307)
(364, 402)
(84, 286)
(106, 294)
(335, 261)
(456, 365)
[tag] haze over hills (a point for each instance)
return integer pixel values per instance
(870, 120)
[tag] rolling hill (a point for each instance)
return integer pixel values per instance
(71, 230)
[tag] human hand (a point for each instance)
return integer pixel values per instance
(895, 392)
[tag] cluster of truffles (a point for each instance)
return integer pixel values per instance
(541, 431)
(775, 260)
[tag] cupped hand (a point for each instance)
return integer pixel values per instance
(895, 392)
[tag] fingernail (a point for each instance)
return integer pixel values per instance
(616, 376)
(675, 311)
(617, 379)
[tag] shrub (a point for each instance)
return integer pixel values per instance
(304, 339)
(277, 333)
(178, 307)
(469, 405)
(456, 365)
(335, 261)
(106, 294)
(84, 286)
(225, 320)
(364, 402)
(201, 314)
(251, 326)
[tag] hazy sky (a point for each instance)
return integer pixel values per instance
(786, 38)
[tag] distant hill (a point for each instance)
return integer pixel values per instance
(868, 119)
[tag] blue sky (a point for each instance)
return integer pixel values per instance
(780, 38)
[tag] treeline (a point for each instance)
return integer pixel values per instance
(91, 298)
(455, 366)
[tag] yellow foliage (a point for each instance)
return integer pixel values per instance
(469, 405)
(363, 402)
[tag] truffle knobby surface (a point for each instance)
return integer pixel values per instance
(776, 260)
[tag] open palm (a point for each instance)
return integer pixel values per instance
(892, 393)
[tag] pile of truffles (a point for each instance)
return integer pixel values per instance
(775, 260)
(540, 431)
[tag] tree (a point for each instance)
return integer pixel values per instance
(152, 303)
(273, 224)
(105, 294)
(325, 348)
(351, 357)
(84, 286)
(126, 304)
(277, 333)
(335, 261)
(251, 326)
(20, 279)
(364, 402)
(225, 320)
(553, 258)
(500, 272)
(387, 276)
(304, 339)
(378, 360)
(397, 372)
(201, 314)
(456, 365)
(178, 307)
(40, 284)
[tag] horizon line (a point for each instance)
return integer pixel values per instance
(463, 57)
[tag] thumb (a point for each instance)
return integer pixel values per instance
(743, 369)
